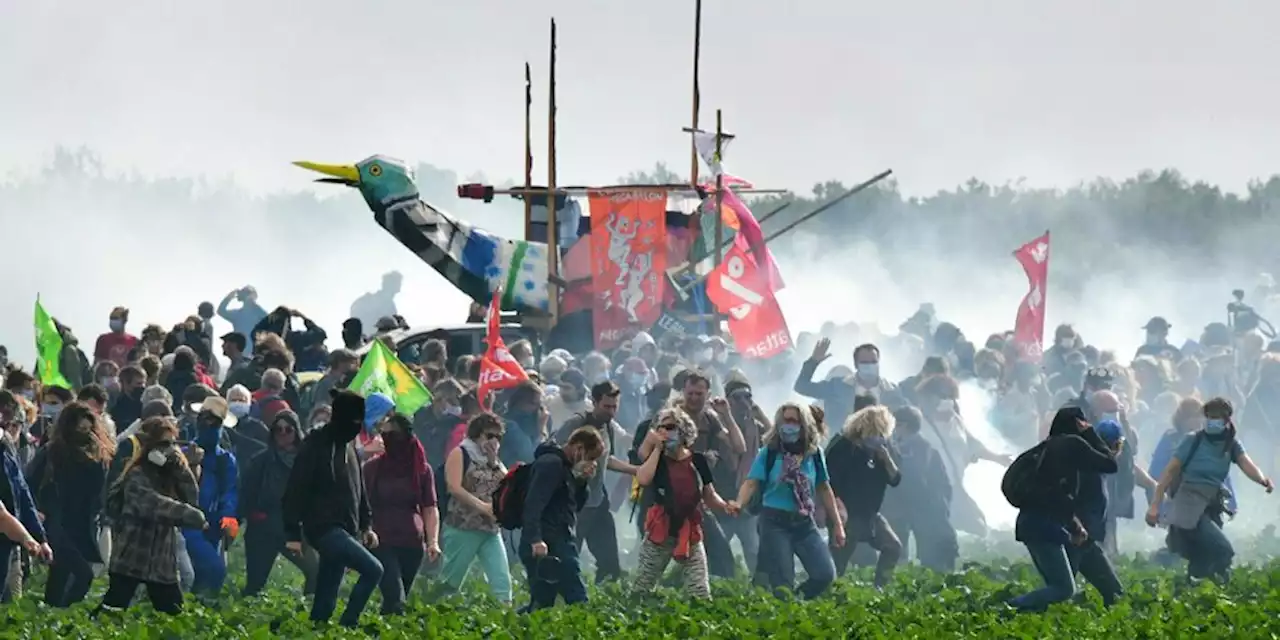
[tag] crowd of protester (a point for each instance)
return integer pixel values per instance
(157, 456)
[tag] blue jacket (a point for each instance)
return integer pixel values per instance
(23, 506)
(218, 495)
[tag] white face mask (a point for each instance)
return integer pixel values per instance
(704, 355)
(722, 357)
(1066, 343)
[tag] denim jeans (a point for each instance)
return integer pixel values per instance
(340, 551)
(1059, 580)
(399, 568)
(785, 536)
(1209, 552)
(462, 547)
(565, 583)
(1091, 562)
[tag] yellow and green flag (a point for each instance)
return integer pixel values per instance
(382, 372)
(48, 350)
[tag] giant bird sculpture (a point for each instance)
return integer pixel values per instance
(472, 259)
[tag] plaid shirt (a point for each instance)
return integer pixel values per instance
(144, 535)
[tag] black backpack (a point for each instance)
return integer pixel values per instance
(1022, 484)
(509, 497)
(442, 484)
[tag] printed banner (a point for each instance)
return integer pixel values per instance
(1028, 328)
(628, 259)
(498, 368)
(741, 290)
(669, 323)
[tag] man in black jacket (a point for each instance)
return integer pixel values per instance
(326, 502)
(557, 490)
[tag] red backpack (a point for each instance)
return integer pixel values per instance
(509, 497)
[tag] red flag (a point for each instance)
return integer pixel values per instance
(740, 289)
(498, 368)
(1028, 329)
(628, 258)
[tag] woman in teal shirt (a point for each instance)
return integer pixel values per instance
(787, 480)
(1194, 478)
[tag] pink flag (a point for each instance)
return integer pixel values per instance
(750, 237)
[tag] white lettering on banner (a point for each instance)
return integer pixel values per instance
(735, 268)
(611, 335)
(772, 343)
(640, 194)
(489, 375)
(671, 324)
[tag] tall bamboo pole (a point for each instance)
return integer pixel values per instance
(553, 231)
(719, 187)
(697, 92)
(528, 151)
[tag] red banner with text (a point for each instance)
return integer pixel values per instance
(628, 260)
(741, 290)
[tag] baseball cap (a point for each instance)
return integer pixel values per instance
(1110, 431)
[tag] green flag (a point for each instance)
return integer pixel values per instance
(382, 372)
(48, 350)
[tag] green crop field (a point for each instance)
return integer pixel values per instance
(919, 604)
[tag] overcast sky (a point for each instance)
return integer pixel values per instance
(1053, 91)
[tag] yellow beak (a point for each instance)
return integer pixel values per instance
(340, 173)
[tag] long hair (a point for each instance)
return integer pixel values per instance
(811, 436)
(875, 421)
(157, 433)
(70, 440)
(683, 422)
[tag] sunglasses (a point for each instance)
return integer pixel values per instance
(491, 436)
(670, 426)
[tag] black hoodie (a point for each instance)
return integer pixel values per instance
(326, 489)
(554, 496)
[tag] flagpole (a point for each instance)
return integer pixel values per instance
(719, 186)
(528, 151)
(553, 230)
(697, 93)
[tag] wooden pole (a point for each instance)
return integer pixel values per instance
(697, 92)
(553, 231)
(528, 151)
(719, 188)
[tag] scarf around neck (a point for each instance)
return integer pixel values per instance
(793, 474)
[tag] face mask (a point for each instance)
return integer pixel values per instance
(1111, 416)
(1215, 426)
(117, 325)
(1066, 343)
(319, 425)
(673, 442)
(28, 394)
(988, 384)
(868, 370)
(453, 410)
(157, 457)
(722, 357)
(109, 382)
(790, 433)
(526, 363)
(239, 409)
(636, 379)
(946, 406)
(51, 410)
(704, 355)
(597, 377)
(1155, 339)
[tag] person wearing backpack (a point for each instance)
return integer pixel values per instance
(596, 527)
(1043, 484)
(680, 482)
(1194, 479)
(789, 479)
(219, 477)
(1093, 506)
(402, 494)
(556, 490)
(471, 532)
